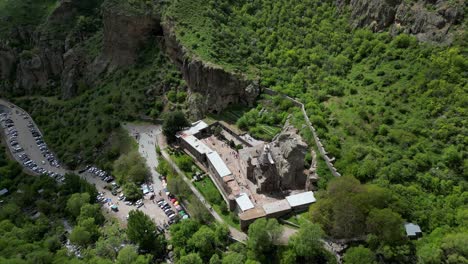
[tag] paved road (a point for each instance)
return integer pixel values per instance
(146, 136)
(27, 141)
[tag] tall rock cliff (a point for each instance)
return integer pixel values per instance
(429, 20)
(40, 66)
(211, 87)
(125, 34)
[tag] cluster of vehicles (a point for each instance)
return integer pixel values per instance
(10, 132)
(99, 173)
(168, 209)
(42, 145)
(12, 135)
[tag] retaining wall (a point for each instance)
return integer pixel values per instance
(318, 143)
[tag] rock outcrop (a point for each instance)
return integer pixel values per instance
(289, 151)
(280, 165)
(31, 73)
(125, 34)
(8, 60)
(218, 88)
(428, 20)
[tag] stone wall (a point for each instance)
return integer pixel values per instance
(318, 143)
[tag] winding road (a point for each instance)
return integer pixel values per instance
(26, 140)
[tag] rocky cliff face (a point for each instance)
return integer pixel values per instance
(38, 67)
(428, 20)
(211, 87)
(288, 150)
(281, 163)
(8, 60)
(125, 34)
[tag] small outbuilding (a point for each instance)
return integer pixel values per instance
(413, 231)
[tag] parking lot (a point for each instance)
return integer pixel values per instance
(26, 143)
(27, 146)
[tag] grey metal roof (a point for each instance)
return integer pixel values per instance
(3, 191)
(412, 229)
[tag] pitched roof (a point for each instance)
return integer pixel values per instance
(301, 199)
(412, 229)
(244, 202)
(218, 164)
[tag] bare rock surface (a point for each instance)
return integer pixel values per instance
(218, 88)
(281, 163)
(125, 34)
(429, 20)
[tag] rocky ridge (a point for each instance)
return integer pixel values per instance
(211, 87)
(281, 163)
(428, 20)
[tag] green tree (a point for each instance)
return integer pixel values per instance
(192, 258)
(132, 191)
(306, 243)
(91, 211)
(386, 225)
(75, 202)
(174, 122)
(359, 255)
(215, 259)
(129, 255)
(142, 231)
(204, 242)
(81, 236)
(263, 234)
(183, 230)
(234, 258)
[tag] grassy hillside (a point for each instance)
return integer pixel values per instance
(79, 128)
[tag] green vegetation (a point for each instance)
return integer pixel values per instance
(189, 237)
(34, 216)
(389, 109)
(131, 168)
(174, 122)
(358, 255)
(23, 13)
(373, 215)
(79, 130)
(142, 231)
(177, 186)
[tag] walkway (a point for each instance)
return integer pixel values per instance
(235, 234)
(146, 137)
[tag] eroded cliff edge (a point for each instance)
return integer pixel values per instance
(435, 21)
(211, 88)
